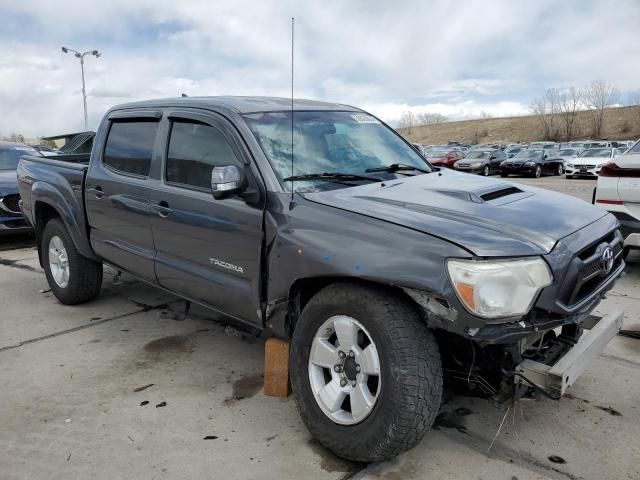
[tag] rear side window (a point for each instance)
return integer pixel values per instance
(194, 149)
(130, 146)
(635, 148)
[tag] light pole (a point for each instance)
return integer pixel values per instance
(79, 55)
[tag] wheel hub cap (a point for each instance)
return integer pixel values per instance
(58, 262)
(344, 370)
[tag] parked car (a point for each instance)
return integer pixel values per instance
(618, 191)
(597, 144)
(566, 154)
(444, 158)
(542, 145)
(11, 219)
(419, 148)
(589, 162)
(384, 274)
(512, 151)
(484, 162)
(534, 163)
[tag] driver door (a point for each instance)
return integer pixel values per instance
(206, 249)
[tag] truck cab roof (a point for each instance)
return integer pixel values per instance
(240, 104)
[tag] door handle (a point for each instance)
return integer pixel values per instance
(162, 209)
(97, 191)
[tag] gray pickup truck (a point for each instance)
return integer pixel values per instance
(320, 224)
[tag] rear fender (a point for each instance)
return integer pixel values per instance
(44, 198)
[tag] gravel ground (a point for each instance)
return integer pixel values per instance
(124, 387)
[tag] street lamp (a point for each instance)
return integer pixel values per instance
(79, 55)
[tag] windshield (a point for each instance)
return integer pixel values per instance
(437, 153)
(10, 157)
(324, 142)
(523, 155)
(596, 152)
(566, 152)
(478, 154)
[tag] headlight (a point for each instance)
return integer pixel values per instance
(503, 288)
(530, 164)
(476, 164)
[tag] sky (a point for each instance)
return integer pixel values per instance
(458, 58)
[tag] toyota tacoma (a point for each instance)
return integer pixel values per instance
(318, 223)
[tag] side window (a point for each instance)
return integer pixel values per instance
(130, 145)
(635, 148)
(194, 149)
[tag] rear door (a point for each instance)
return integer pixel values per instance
(208, 250)
(118, 190)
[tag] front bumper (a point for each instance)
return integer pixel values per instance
(630, 228)
(590, 171)
(13, 224)
(555, 378)
(517, 168)
(469, 168)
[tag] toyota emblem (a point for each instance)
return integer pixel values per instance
(607, 260)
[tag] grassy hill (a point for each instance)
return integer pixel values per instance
(621, 123)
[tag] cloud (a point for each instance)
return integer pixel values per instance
(455, 58)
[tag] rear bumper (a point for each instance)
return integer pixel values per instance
(630, 228)
(554, 379)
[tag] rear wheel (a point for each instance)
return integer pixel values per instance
(365, 372)
(73, 278)
(504, 174)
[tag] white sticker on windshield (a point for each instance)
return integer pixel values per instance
(363, 118)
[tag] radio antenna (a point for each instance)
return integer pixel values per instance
(293, 20)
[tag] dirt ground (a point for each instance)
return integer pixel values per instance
(125, 387)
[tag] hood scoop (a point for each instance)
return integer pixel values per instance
(503, 192)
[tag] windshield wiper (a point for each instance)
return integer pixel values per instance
(397, 167)
(331, 176)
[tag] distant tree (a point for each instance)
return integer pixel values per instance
(429, 118)
(48, 143)
(484, 114)
(407, 121)
(598, 96)
(545, 109)
(569, 102)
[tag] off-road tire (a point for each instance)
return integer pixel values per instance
(410, 373)
(85, 275)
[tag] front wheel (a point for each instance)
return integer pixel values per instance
(504, 174)
(485, 171)
(365, 371)
(73, 278)
(538, 171)
(560, 170)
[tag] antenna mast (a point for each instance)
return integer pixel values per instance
(291, 205)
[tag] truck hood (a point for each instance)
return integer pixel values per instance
(8, 182)
(488, 217)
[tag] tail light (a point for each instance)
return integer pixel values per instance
(611, 169)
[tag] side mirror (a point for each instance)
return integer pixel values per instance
(227, 181)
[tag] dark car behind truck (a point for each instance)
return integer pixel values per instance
(11, 219)
(387, 274)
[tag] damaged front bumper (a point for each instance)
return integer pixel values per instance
(554, 378)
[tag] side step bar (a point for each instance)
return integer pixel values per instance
(555, 379)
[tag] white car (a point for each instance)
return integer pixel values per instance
(618, 191)
(588, 163)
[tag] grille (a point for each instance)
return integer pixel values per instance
(587, 269)
(585, 166)
(10, 203)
